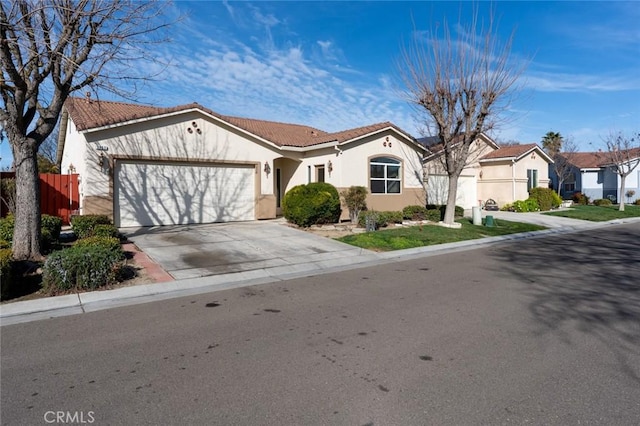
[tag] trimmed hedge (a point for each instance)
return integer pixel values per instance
(84, 226)
(547, 198)
(6, 272)
(459, 211)
(414, 213)
(382, 219)
(311, 204)
(6, 228)
(106, 231)
(81, 268)
(602, 202)
(109, 243)
(49, 230)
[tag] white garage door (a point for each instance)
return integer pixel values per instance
(438, 190)
(153, 193)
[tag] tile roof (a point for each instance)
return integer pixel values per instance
(595, 160)
(510, 151)
(90, 114)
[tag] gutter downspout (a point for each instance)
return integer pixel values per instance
(513, 180)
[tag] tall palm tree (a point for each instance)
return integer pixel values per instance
(552, 143)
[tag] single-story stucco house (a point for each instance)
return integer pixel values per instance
(501, 173)
(591, 173)
(144, 165)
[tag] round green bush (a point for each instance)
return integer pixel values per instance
(547, 198)
(414, 213)
(6, 228)
(314, 203)
(84, 226)
(602, 202)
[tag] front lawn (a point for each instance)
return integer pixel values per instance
(598, 213)
(427, 235)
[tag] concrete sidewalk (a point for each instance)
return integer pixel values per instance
(32, 310)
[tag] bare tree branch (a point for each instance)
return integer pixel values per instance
(49, 49)
(623, 156)
(460, 82)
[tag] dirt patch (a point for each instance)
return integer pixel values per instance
(331, 231)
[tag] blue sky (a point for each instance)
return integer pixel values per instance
(333, 65)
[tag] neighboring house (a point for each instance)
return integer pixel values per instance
(591, 173)
(145, 166)
(503, 174)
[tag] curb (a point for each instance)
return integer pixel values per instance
(33, 310)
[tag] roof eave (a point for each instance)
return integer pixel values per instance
(175, 113)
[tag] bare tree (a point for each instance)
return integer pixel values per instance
(460, 84)
(623, 156)
(563, 159)
(48, 50)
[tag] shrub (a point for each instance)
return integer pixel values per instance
(311, 204)
(370, 214)
(390, 217)
(106, 231)
(6, 272)
(6, 228)
(50, 230)
(434, 215)
(109, 243)
(459, 211)
(84, 226)
(602, 202)
(547, 198)
(580, 198)
(382, 219)
(80, 268)
(414, 213)
(355, 200)
(524, 206)
(637, 202)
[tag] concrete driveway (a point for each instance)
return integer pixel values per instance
(190, 251)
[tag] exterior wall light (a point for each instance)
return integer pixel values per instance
(267, 168)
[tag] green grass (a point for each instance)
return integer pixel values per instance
(427, 235)
(598, 213)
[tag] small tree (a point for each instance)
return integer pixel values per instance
(355, 199)
(563, 162)
(459, 84)
(623, 156)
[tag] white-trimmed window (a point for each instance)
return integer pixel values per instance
(384, 175)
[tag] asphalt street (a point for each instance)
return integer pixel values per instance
(537, 331)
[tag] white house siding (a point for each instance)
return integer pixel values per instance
(591, 182)
(75, 157)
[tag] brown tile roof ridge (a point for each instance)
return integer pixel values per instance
(595, 159)
(88, 114)
(510, 151)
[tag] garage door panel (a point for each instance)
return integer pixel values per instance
(150, 194)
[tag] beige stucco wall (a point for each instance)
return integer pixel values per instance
(505, 181)
(194, 137)
(166, 139)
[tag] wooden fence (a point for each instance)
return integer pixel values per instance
(58, 195)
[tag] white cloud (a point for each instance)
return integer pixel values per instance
(566, 82)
